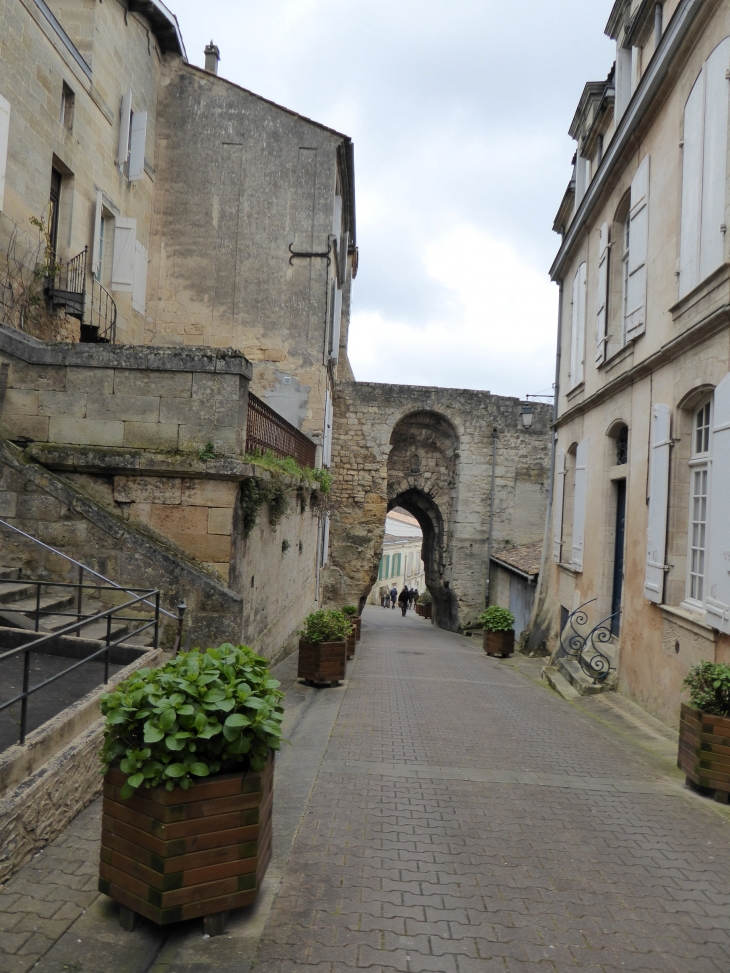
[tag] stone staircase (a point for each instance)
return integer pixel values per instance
(18, 604)
(585, 664)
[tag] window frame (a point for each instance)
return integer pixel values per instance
(699, 466)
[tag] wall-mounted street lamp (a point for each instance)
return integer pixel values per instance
(527, 415)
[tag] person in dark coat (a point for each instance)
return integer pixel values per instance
(411, 597)
(393, 596)
(403, 599)
(415, 595)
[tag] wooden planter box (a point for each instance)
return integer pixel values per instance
(704, 749)
(322, 661)
(426, 610)
(351, 643)
(357, 621)
(499, 643)
(174, 855)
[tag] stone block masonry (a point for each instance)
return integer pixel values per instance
(429, 450)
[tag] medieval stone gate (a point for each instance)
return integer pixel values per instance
(429, 450)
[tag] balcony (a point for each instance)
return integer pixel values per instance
(67, 290)
(266, 430)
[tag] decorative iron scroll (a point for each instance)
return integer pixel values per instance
(585, 649)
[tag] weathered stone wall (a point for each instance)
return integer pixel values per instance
(430, 450)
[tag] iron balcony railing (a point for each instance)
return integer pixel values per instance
(266, 430)
(96, 309)
(102, 313)
(583, 645)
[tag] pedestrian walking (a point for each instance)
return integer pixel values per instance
(415, 596)
(403, 599)
(411, 597)
(393, 596)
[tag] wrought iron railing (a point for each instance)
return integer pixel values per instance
(267, 430)
(108, 615)
(585, 648)
(102, 313)
(67, 286)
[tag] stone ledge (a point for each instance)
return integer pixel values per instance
(140, 357)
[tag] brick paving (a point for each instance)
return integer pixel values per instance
(463, 819)
(466, 820)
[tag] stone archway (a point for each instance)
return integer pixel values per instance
(422, 478)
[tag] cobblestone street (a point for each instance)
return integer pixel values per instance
(460, 818)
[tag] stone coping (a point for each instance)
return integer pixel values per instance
(143, 357)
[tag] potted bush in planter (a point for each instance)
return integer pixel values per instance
(424, 605)
(188, 789)
(704, 729)
(352, 614)
(323, 647)
(499, 634)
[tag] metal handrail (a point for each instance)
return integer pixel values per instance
(579, 647)
(83, 567)
(105, 650)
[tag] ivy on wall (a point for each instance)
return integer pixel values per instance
(256, 492)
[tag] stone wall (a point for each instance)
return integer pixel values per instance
(429, 450)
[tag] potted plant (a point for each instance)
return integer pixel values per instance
(188, 786)
(704, 728)
(323, 647)
(499, 633)
(352, 613)
(424, 605)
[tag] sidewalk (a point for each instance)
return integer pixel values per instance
(443, 811)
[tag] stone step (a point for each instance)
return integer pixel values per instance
(571, 671)
(13, 591)
(558, 683)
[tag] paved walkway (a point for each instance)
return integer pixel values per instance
(445, 812)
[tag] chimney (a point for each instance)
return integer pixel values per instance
(212, 57)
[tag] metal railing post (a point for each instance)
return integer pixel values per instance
(79, 598)
(106, 654)
(24, 701)
(157, 621)
(37, 606)
(181, 608)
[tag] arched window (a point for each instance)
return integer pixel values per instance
(698, 493)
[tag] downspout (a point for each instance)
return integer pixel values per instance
(542, 580)
(491, 514)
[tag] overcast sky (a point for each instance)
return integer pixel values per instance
(459, 111)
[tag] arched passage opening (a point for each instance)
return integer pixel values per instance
(422, 479)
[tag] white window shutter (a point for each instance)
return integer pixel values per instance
(717, 573)
(326, 540)
(623, 80)
(656, 531)
(96, 240)
(139, 287)
(579, 504)
(578, 327)
(136, 145)
(327, 439)
(558, 504)
(714, 163)
(692, 165)
(581, 179)
(4, 139)
(336, 323)
(125, 115)
(601, 336)
(638, 252)
(125, 233)
(337, 217)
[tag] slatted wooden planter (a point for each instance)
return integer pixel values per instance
(499, 643)
(175, 855)
(322, 662)
(424, 610)
(357, 622)
(351, 643)
(704, 750)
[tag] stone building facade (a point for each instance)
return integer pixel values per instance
(639, 512)
(429, 451)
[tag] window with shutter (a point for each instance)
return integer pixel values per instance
(4, 138)
(139, 287)
(125, 233)
(717, 573)
(656, 531)
(704, 172)
(623, 80)
(602, 315)
(137, 139)
(336, 324)
(558, 504)
(579, 504)
(96, 241)
(125, 118)
(635, 314)
(326, 540)
(578, 327)
(327, 437)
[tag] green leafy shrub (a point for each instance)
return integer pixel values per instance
(202, 713)
(350, 610)
(496, 619)
(425, 598)
(709, 687)
(326, 625)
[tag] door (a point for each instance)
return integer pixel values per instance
(55, 202)
(521, 597)
(618, 556)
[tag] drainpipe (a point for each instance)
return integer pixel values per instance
(542, 580)
(491, 513)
